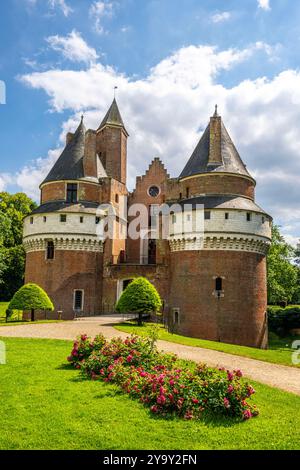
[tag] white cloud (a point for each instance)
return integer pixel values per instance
(62, 5)
(221, 17)
(73, 47)
(98, 11)
(166, 112)
(264, 4)
(31, 176)
(5, 180)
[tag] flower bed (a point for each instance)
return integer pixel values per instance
(157, 380)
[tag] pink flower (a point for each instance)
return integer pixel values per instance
(226, 403)
(171, 382)
(238, 373)
(230, 388)
(194, 400)
(154, 409)
(161, 400)
(230, 376)
(247, 414)
(83, 337)
(188, 415)
(129, 358)
(143, 374)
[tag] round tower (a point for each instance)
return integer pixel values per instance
(63, 252)
(218, 287)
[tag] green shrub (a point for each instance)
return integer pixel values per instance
(31, 297)
(141, 297)
(282, 320)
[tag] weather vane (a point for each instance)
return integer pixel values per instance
(115, 88)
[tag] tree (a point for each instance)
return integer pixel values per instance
(282, 273)
(31, 297)
(141, 297)
(13, 209)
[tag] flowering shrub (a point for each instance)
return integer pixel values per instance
(157, 380)
(83, 348)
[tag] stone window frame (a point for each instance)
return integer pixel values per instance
(71, 191)
(47, 251)
(82, 300)
(154, 186)
(176, 315)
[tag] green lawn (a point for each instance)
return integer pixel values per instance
(279, 352)
(16, 318)
(47, 405)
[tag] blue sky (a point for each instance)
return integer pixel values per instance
(171, 60)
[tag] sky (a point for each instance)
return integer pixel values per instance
(172, 61)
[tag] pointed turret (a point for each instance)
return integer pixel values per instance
(215, 152)
(111, 144)
(69, 165)
(113, 117)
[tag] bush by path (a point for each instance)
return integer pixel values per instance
(159, 381)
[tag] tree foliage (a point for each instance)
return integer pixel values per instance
(31, 297)
(282, 272)
(140, 296)
(13, 209)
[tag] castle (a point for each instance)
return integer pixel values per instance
(213, 287)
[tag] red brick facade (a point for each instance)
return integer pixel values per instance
(239, 315)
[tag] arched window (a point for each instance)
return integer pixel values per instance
(219, 284)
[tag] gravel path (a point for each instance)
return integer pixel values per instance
(283, 377)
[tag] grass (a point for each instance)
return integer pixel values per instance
(45, 404)
(16, 318)
(279, 352)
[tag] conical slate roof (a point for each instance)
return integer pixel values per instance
(113, 116)
(215, 152)
(70, 163)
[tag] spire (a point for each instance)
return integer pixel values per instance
(215, 152)
(70, 163)
(113, 117)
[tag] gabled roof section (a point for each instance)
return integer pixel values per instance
(70, 164)
(113, 117)
(215, 152)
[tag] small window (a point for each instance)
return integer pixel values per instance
(97, 220)
(176, 315)
(72, 190)
(31, 220)
(78, 300)
(45, 219)
(81, 219)
(173, 219)
(262, 220)
(188, 218)
(206, 215)
(50, 250)
(180, 195)
(63, 218)
(187, 192)
(226, 215)
(249, 217)
(219, 284)
(117, 198)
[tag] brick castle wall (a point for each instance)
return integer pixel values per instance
(69, 270)
(240, 316)
(210, 184)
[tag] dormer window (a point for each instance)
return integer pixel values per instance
(72, 192)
